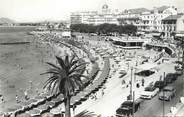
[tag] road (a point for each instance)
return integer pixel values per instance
(154, 107)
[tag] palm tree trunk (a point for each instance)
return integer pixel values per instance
(67, 107)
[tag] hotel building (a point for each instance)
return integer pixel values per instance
(93, 17)
(159, 20)
(173, 25)
(152, 20)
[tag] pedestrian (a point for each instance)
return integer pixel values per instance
(103, 92)
(95, 96)
(26, 95)
(137, 85)
(16, 97)
(143, 82)
(123, 82)
(2, 99)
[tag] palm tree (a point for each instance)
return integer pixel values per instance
(85, 113)
(65, 78)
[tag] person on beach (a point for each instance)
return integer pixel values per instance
(2, 99)
(16, 97)
(143, 82)
(103, 92)
(26, 95)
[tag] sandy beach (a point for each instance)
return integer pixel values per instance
(21, 66)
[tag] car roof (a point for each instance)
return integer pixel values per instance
(127, 102)
(150, 88)
(169, 87)
(159, 82)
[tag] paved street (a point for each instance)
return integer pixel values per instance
(154, 107)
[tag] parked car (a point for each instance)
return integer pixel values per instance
(149, 92)
(170, 77)
(179, 72)
(126, 108)
(167, 93)
(160, 84)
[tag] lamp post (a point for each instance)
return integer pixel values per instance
(133, 109)
(130, 96)
(163, 99)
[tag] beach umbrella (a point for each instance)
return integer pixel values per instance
(56, 100)
(33, 102)
(50, 104)
(26, 105)
(56, 112)
(43, 108)
(40, 99)
(34, 112)
(46, 95)
(48, 115)
(23, 115)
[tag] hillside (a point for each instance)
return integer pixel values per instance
(6, 21)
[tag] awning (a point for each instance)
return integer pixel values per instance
(180, 35)
(146, 66)
(156, 34)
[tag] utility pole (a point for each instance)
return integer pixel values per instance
(133, 109)
(182, 62)
(164, 99)
(131, 84)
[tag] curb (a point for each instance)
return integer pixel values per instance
(178, 106)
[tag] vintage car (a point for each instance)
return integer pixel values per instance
(167, 93)
(149, 92)
(126, 108)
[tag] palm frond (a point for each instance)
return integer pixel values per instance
(76, 70)
(72, 59)
(53, 65)
(66, 77)
(76, 66)
(49, 72)
(75, 61)
(61, 62)
(85, 113)
(78, 75)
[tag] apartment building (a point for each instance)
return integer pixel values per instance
(152, 20)
(173, 25)
(93, 17)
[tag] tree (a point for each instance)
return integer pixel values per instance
(104, 28)
(85, 114)
(65, 78)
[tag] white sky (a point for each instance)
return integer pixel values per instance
(40, 10)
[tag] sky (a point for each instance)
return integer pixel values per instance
(41, 10)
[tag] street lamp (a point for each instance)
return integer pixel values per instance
(163, 99)
(130, 96)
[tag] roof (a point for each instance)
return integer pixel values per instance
(146, 66)
(172, 17)
(162, 8)
(137, 10)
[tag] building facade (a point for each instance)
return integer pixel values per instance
(93, 17)
(152, 20)
(173, 25)
(155, 20)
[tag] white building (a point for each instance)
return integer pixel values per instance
(93, 17)
(152, 21)
(132, 16)
(173, 25)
